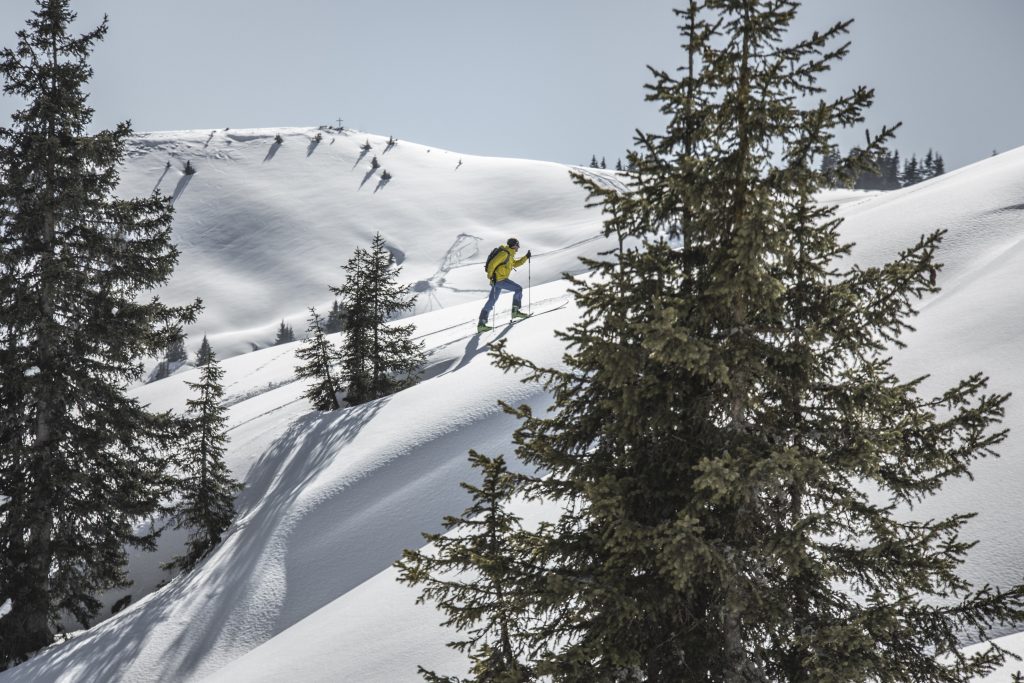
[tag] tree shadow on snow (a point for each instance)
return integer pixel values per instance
(367, 177)
(180, 189)
(272, 151)
(162, 176)
(312, 147)
(361, 522)
(381, 184)
(273, 484)
(208, 595)
(362, 156)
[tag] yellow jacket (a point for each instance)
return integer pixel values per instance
(500, 267)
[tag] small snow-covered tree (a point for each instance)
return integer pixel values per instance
(207, 504)
(319, 360)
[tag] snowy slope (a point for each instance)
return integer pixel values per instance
(302, 589)
(263, 228)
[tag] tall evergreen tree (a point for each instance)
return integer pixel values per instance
(940, 166)
(319, 364)
(207, 504)
(729, 403)
(205, 353)
(80, 462)
(380, 358)
(474, 574)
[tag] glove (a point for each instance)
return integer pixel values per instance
(527, 254)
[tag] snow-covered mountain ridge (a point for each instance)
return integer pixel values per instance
(263, 227)
(301, 588)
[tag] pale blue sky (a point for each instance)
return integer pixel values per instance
(557, 80)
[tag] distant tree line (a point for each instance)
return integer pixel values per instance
(888, 173)
(594, 163)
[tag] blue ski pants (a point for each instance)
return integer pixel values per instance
(496, 289)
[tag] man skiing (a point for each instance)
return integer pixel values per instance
(500, 265)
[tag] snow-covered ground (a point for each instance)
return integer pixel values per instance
(302, 588)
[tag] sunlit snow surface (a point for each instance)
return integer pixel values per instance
(302, 589)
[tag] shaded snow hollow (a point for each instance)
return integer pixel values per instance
(302, 589)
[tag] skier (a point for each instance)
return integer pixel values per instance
(500, 264)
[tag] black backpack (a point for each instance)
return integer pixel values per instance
(490, 257)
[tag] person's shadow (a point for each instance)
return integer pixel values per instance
(473, 348)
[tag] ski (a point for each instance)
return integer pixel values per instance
(533, 315)
(487, 328)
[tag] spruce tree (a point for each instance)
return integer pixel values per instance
(320, 358)
(285, 334)
(928, 166)
(358, 328)
(81, 463)
(174, 358)
(475, 572)
(911, 172)
(380, 358)
(892, 172)
(176, 354)
(735, 460)
(207, 503)
(205, 353)
(335, 319)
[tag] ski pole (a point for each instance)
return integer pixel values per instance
(529, 286)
